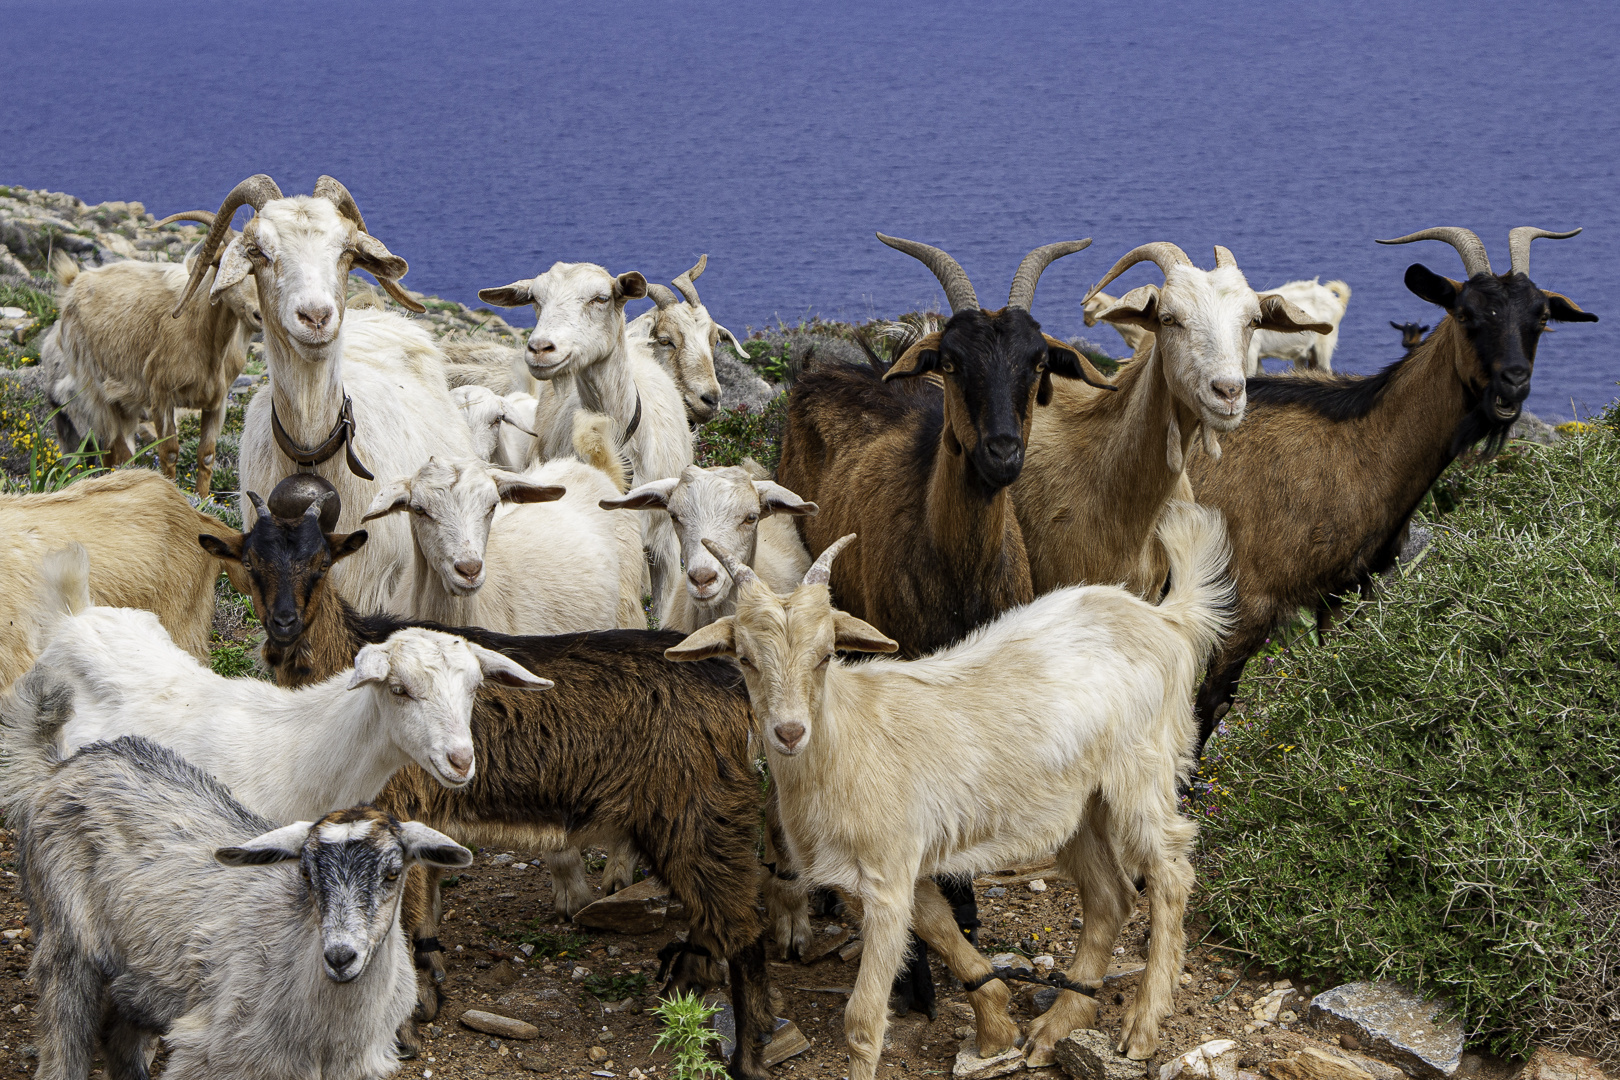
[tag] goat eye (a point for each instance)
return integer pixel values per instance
(751, 518)
(665, 341)
(392, 875)
(673, 520)
(1167, 320)
(745, 662)
(947, 367)
(825, 660)
(397, 691)
(599, 299)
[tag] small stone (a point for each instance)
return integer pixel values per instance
(1038, 885)
(614, 950)
(503, 1051)
(1313, 1064)
(1288, 1016)
(502, 860)
(1394, 1023)
(1044, 963)
(964, 1031)
(970, 1066)
(636, 1074)
(1009, 960)
(851, 951)
(1077, 923)
(526, 949)
(1545, 1064)
(1349, 1042)
(1044, 998)
(1086, 1054)
(996, 893)
(1214, 1060)
(596, 1054)
(579, 974)
(824, 944)
(434, 1031)
(495, 1024)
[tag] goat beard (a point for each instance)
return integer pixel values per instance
(1480, 422)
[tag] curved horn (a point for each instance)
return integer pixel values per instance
(684, 282)
(662, 296)
(313, 510)
(820, 571)
(333, 191)
(255, 191)
(1519, 246)
(1022, 294)
(740, 574)
(202, 217)
(258, 506)
(1223, 258)
(1469, 246)
(1160, 253)
(958, 289)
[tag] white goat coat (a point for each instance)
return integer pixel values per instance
(1326, 303)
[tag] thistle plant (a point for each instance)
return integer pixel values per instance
(687, 1036)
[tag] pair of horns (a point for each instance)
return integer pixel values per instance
(820, 571)
(312, 511)
(1472, 249)
(664, 298)
(1164, 255)
(959, 289)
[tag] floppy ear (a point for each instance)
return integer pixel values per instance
(776, 499)
(226, 549)
(500, 668)
(345, 544)
(1279, 315)
(716, 639)
(370, 665)
(233, 267)
(425, 845)
(514, 295)
(629, 286)
(1430, 286)
(735, 343)
(511, 487)
(1065, 360)
(1566, 310)
(920, 359)
(278, 845)
(1139, 307)
(392, 498)
(372, 256)
(852, 635)
(653, 496)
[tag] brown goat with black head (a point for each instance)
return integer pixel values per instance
(1319, 482)
(630, 745)
(923, 476)
(1411, 334)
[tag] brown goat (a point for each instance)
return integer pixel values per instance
(1320, 481)
(1411, 335)
(628, 743)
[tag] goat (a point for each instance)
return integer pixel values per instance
(347, 394)
(498, 424)
(579, 335)
(681, 336)
(127, 860)
(1300, 531)
(522, 553)
(628, 746)
(114, 356)
(891, 770)
(750, 518)
(1411, 335)
(932, 470)
(287, 754)
(1134, 336)
(141, 535)
(1307, 350)
(1102, 466)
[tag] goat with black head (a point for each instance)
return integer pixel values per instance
(1411, 334)
(1301, 534)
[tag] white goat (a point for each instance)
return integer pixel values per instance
(115, 354)
(287, 754)
(750, 518)
(1305, 349)
(890, 771)
(681, 336)
(580, 333)
(502, 427)
(1099, 302)
(294, 965)
(522, 553)
(299, 251)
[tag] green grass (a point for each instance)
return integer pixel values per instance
(560, 942)
(688, 1036)
(740, 432)
(615, 987)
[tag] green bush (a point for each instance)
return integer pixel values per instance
(1424, 795)
(740, 432)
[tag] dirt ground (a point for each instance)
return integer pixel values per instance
(495, 904)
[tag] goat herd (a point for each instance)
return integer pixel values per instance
(451, 603)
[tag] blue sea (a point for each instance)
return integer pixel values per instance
(485, 141)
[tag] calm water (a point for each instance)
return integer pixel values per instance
(484, 143)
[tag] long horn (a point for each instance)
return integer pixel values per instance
(202, 217)
(1519, 246)
(332, 190)
(684, 282)
(1223, 258)
(820, 571)
(662, 296)
(740, 573)
(1469, 246)
(958, 289)
(255, 191)
(258, 506)
(1160, 253)
(1022, 294)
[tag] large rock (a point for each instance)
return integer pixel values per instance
(1392, 1022)
(970, 1066)
(1086, 1054)
(495, 1024)
(1313, 1064)
(786, 1041)
(640, 909)
(1214, 1060)
(1547, 1064)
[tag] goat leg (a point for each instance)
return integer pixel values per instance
(787, 898)
(70, 1009)
(419, 914)
(127, 1050)
(620, 872)
(1169, 882)
(569, 890)
(213, 421)
(751, 1006)
(884, 924)
(168, 448)
(933, 920)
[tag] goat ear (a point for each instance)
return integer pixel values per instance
(1139, 307)
(393, 497)
(511, 487)
(226, 549)
(278, 845)
(735, 343)
(342, 545)
(370, 665)
(372, 256)
(1435, 288)
(1278, 314)
(716, 639)
(500, 668)
(425, 845)
(1065, 360)
(921, 358)
(514, 295)
(653, 496)
(852, 635)
(776, 499)
(629, 286)
(233, 267)
(1566, 310)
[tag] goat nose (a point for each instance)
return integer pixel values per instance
(284, 621)
(315, 316)
(789, 734)
(702, 576)
(1004, 448)
(711, 400)
(541, 346)
(461, 759)
(470, 568)
(339, 957)
(1228, 390)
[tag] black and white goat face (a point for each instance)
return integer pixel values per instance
(353, 865)
(579, 315)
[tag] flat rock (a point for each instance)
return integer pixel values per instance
(851, 950)
(822, 945)
(1545, 1064)
(1214, 1060)
(1392, 1022)
(640, 909)
(970, 1066)
(495, 1024)
(1086, 1054)
(1313, 1064)
(786, 1041)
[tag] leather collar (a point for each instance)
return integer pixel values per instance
(342, 436)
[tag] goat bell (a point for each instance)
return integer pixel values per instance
(293, 495)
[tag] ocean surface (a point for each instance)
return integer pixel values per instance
(483, 142)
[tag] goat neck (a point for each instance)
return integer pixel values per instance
(608, 387)
(348, 718)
